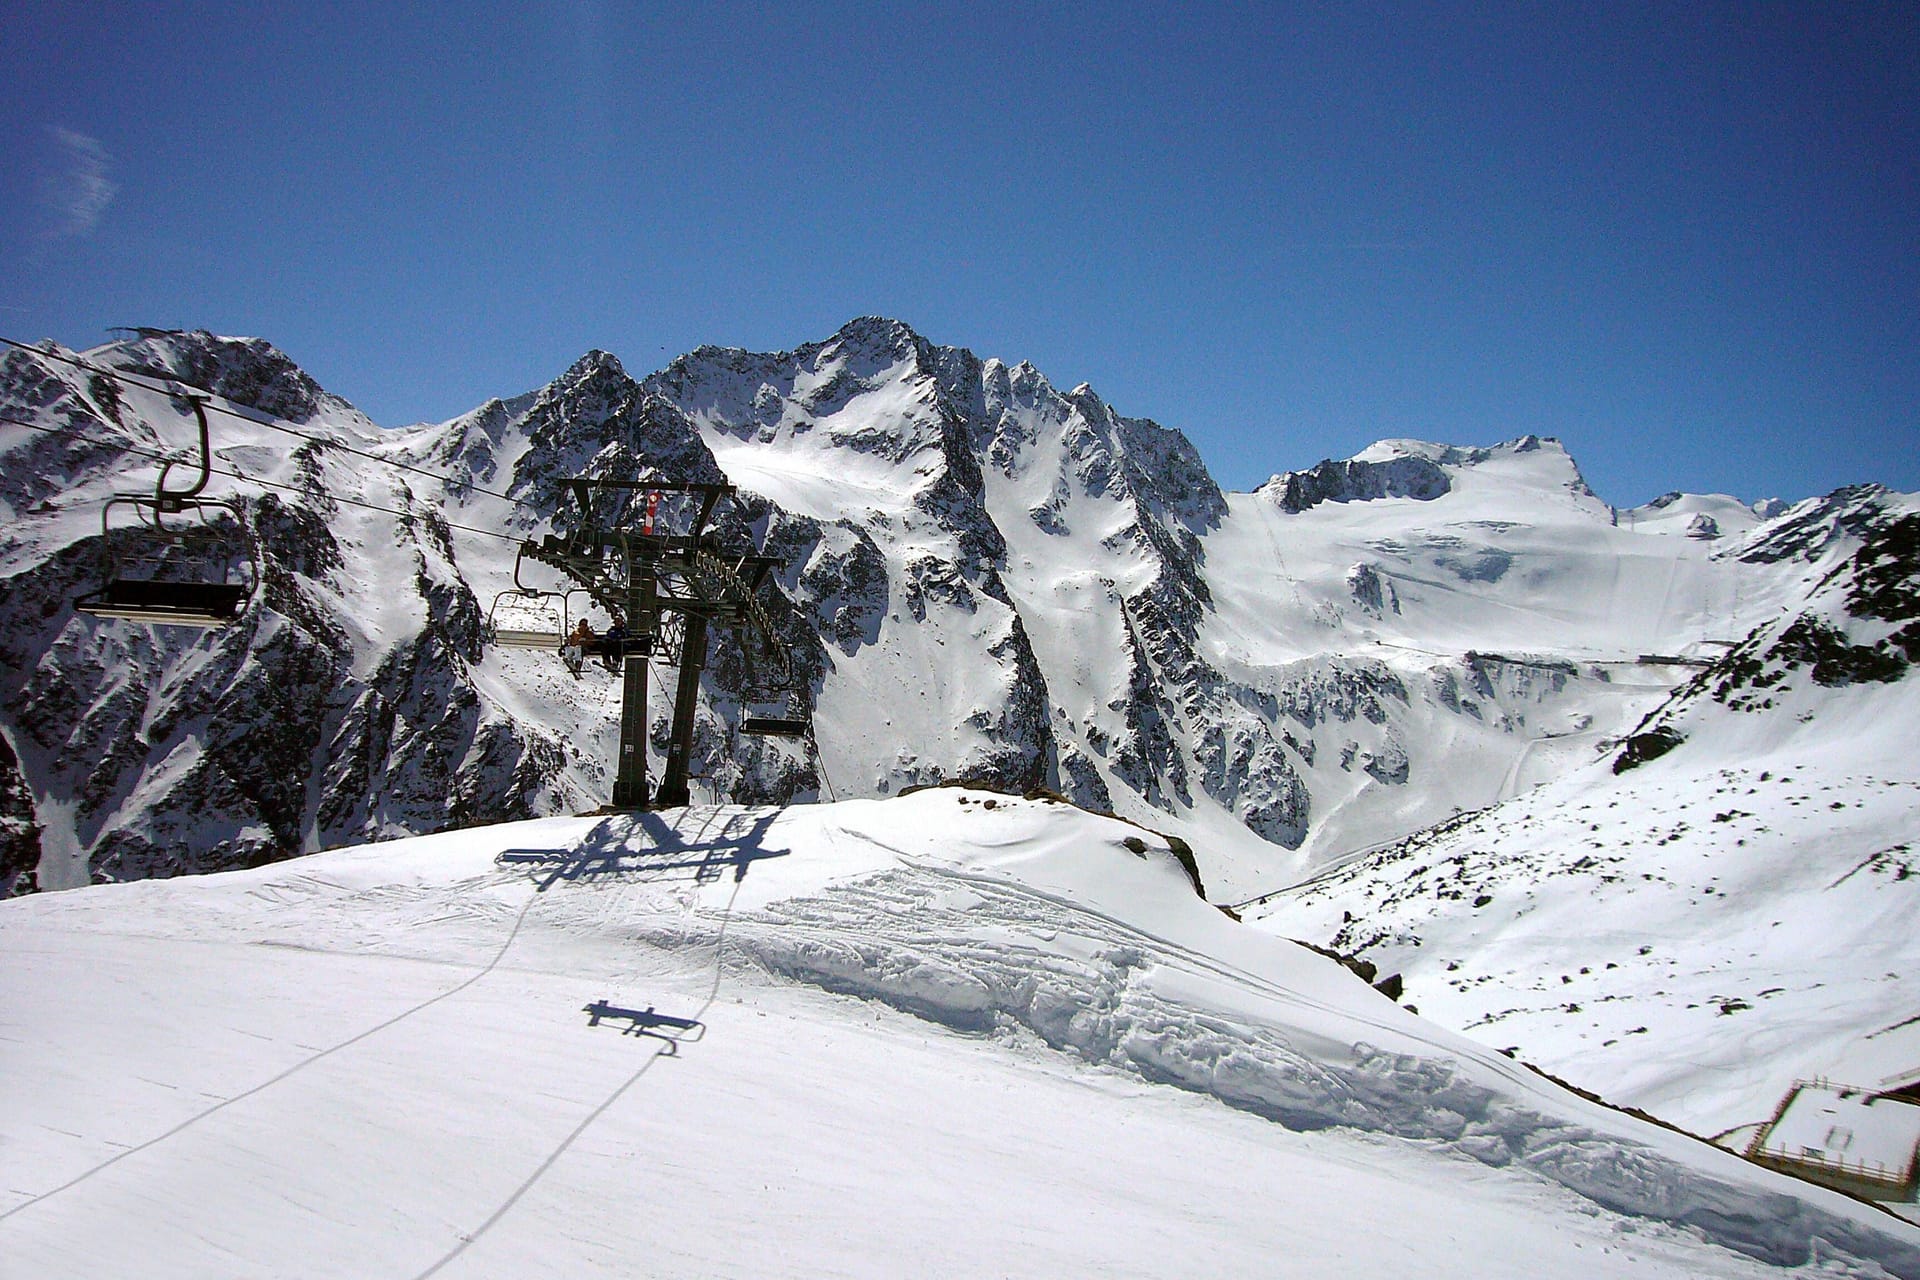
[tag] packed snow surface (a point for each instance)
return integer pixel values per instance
(948, 1034)
(1691, 936)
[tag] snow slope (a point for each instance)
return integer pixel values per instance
(1723, 905)
(1499, 604)
(949, 1034)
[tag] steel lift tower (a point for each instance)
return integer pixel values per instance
(669, 587)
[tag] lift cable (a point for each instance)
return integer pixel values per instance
(820, 762)
(271, 484)
(262, 420)
(299, 1066)
(465, 1239)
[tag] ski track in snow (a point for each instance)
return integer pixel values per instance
(291, 1071)
(467, 1239)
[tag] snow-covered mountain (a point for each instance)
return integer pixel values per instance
(988, 578)
(947, 1034)
(1726, 902)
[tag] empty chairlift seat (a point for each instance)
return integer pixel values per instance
(189, 604)
(775, 726)
(187, 549)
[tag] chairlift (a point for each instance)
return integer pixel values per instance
(770, 682)
(542, 622)
(179, 588)
(609, 648)
(771, 704)
(775, 726)
(544, 619)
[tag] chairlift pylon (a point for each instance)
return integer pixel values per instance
(644, 552)
(189, 601)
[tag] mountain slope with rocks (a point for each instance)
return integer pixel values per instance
(1722, 904)
(983, 577)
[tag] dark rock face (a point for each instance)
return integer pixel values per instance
(1355, 481)
(1245, 770)
(1886, 576)
(88, 441)
(19, 832)
(1832, 661)
(1642, 747)
(595, 420)
(1879, 583)
(1362, 691)
(1371, 591)
(1812, 526)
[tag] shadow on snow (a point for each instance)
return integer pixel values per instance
(646, 1022)
(644, 846)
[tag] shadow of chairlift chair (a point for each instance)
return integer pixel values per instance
(645, 1022)
(194, 599)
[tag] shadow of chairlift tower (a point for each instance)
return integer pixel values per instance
(610, 850)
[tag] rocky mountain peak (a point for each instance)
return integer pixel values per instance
(596, 367)
(251, 372)
(1405, 475)
(984, 576)
(868, 348)
(878, 334)
(1422, 470)
(595, 419)
(1808, 529)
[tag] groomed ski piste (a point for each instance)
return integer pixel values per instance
(950, 1033)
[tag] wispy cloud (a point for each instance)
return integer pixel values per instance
(76, 190)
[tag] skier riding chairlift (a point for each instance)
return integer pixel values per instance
(573, 652)
(615, 646)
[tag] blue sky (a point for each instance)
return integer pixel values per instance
(1683, 238)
